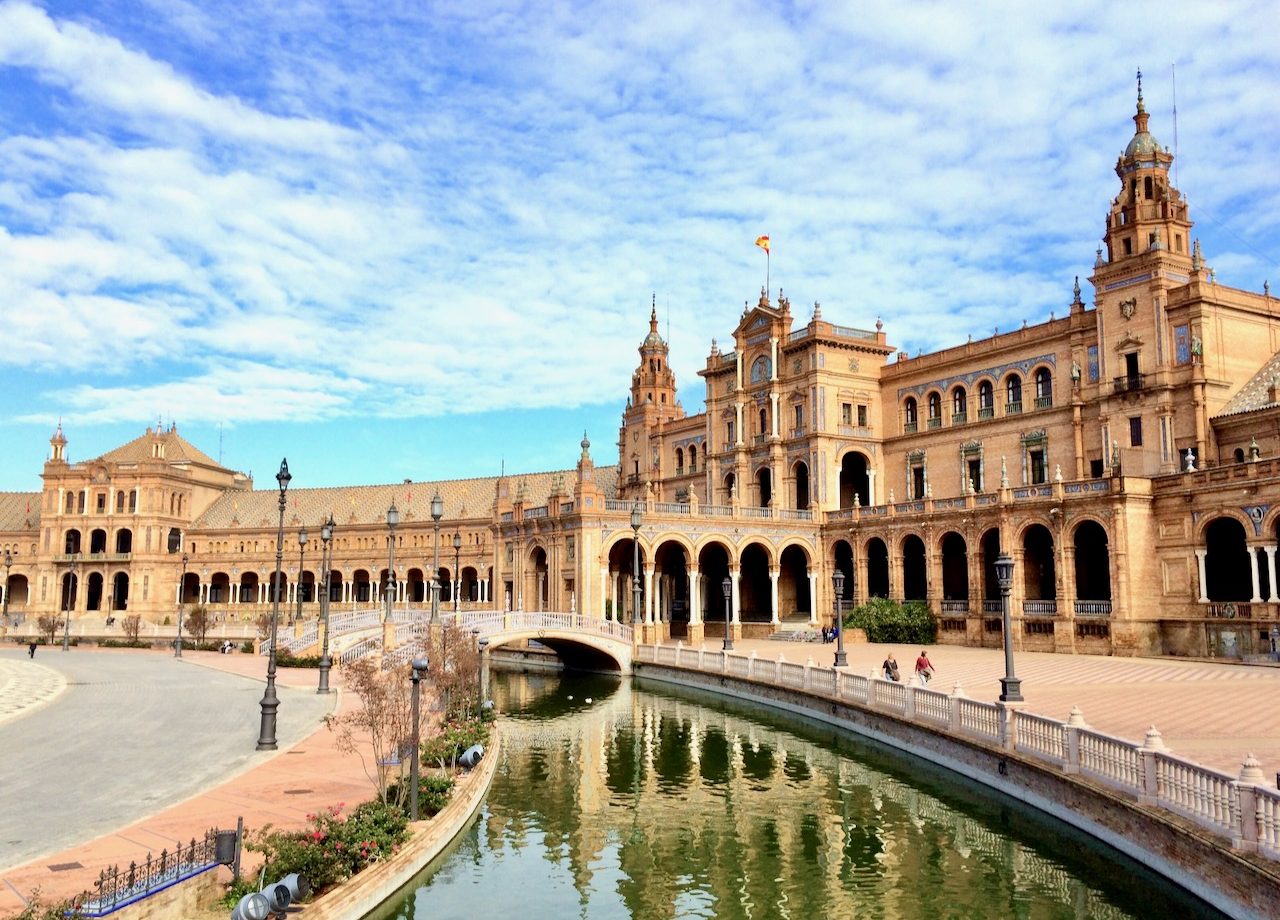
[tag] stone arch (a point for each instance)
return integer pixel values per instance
(764, 486)
(219, 588)
(71, 542)
(715, 556)
(877, 556)
(842, 561)
(119, 592)
(671, 559)
(94, 587)
(955, 567)
(985, 387)
(537, 577)
(361, 586)
(915, 575)
(619, 559)
(124, 540)
(755, 595)
(989, 547)
(1039, 580)
(794, 594)
(1228, 573)
(1092, 561)
(800, 478)
(97, 541)
(19, 591)
(855, 479)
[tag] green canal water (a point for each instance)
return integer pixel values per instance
(619, 799)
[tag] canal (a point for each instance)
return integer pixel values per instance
(619, 799)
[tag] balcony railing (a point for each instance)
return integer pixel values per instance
(986, 412)
(955, 606)
(935, 421)
(1129, 384)
(854, 431)
(1040, 608)
(1229, 610)
(758, 440)
(1013, 408)
(1044, 402)
(799, 431)
(959, 418)
(991, 606)
(909, 427)
(1093, 608)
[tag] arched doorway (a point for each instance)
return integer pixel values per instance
(71, 545)
(361, 589)
(915, 577)
(470, 585)
(120, 591)
(990, 544)
(190, 591)
(755, 601)
(854, 480)
(1092, 568)
(18, 591)
(713, 567)
(955, 573)
(843, 553)
(1228, 574)
(93, 591)
(877, 568)
(124, 540)
(800, 472)
(671, 587)
(623, 578)
(764, 484)
(538, 588)
(730, 481)
(1038, 576)
(70, 588)
(416, 586)
(794, 596)
(220, 588)
(97, 541)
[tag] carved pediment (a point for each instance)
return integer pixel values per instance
(1128, 342)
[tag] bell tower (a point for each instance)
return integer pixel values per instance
(1149, 215)
(651, 404)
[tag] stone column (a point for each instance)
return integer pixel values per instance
(774, 572)
(695, 602)
(1204, 592)
(773, 405)
(1270, 550)
(1253, 572)
(871, 487)
(734, 575)
(813, 600)
(648, 591)
(604, 591)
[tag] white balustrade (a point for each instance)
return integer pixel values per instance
(1195, 792)
(933, 706)
(1045, 738)
(1110, 760)
(979, 719)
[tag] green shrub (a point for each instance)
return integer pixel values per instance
(287, 660)
(434, 790)
(125, 643)
(237, 889)
(37, 909)
(884, 620)
(334, 846)
(247, 646)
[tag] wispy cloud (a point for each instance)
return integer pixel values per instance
(467, 205)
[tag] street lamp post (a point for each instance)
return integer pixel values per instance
(1010, 686)
(270, 701)
(71, 588)
(297, 589)
(437, 512)
(838, 581)
(393, 518)
(637, 518)
(326, 534)
(182, 583)
(419, 666)
(727, 585)
(8, 561)
(457, 561)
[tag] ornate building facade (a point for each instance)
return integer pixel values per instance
(1122, 453)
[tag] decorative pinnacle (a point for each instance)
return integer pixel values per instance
(1141, 108)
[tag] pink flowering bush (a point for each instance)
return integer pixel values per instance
(334, 846)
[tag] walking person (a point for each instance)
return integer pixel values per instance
(924, 668)
(890, 667)
(31, 649)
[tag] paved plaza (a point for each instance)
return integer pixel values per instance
(141, 750)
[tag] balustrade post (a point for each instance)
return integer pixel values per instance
(777, 670)
(700, 654)
(1071, 741)
(1244, 810)
(910, 710)
(872, 679)
(957, 694)
(1153, 744)
(808, 680)
(1008, 735)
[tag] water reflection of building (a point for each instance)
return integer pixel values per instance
(673, 807)
(1123, 453)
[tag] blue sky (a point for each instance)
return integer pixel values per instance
(417, 239)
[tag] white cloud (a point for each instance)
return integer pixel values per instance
(466, 206)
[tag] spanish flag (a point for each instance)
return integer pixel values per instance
(763, 242)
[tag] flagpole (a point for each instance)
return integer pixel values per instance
(767, 257)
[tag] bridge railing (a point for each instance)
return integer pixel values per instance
(491, 622)
(1244, 809)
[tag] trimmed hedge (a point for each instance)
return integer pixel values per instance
(884, 620)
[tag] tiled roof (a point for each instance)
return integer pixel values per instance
(177, 449)
(19, 511)
(463, 499)
(1253, 395)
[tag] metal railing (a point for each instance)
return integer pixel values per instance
(117, 887)
(1130, 383)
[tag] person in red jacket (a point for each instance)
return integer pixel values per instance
(924, 668)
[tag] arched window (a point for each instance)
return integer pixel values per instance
(959, 406)
(910, 414)
(935, 410)
(764, 422)
(1044, 388)
(679, 461)
(1013, 395)
(986, 400)
(693, 458)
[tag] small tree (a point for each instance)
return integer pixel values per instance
(380, 731)
(198, 622)
(455, 671)
(132, 625)
(264, 625)
(49, 624)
